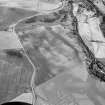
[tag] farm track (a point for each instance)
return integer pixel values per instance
(34, 68)
(12, 28)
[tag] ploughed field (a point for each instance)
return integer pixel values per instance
(51, 47)
(15, 74)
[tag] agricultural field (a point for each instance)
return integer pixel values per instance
(15, 75)
(9, 16)
(52, 58)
